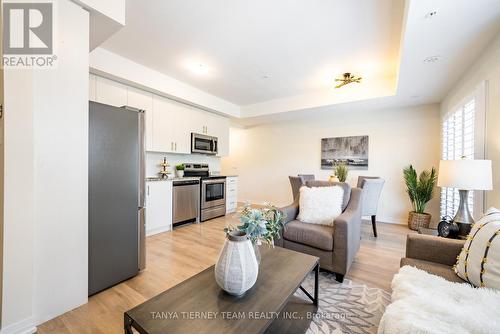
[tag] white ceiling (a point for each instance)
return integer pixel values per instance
(301, 45)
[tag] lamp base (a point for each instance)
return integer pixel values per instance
(463, 218)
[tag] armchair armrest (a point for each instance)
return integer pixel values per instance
(347, 232)
(433, 249)
(291, 211)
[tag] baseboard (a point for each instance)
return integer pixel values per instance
(26, 326)
(157, 230)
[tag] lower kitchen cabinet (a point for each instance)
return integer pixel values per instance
(231, 194)
(158, 206)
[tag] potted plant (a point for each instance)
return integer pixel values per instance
(261, 225)
(180, 170)
(341, 170)
(420, 189)
(237, 268)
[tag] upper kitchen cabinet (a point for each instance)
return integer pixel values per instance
(210, 124)
(163, 140)
(143, 100)
(171, 121)
(222, 132)
(92, 87)
(218, 126)
(111, 92)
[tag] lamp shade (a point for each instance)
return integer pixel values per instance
(465, 174)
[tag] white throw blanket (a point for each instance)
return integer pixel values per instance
(425, 303)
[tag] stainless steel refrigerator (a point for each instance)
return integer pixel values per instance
(116, 195)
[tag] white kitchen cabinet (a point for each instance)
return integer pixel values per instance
(182, 116)
(111, 92)
(140, 99)
(198, 121)
(221, 131)
(213, 125)
(163, 139)
(231, 194)
(169, 124)
(158, 206)
(92, 87)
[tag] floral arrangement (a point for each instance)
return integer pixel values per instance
(261, 225)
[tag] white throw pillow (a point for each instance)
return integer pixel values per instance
(479, 260)
(320, 205)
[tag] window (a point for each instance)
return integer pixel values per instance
(463, 137)
(458, 142)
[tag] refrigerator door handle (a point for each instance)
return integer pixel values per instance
(142, 160)
(142, 238)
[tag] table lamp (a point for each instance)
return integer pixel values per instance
(465, 175)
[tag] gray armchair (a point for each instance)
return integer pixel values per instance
(336, 245)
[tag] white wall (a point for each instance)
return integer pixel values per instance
(61, 171)
(486, 68)
(153, 159)
(46, 169)
(18, 261)
(266, 155)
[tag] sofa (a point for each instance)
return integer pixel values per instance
(433, 254)
(429, 298)
(337, 245)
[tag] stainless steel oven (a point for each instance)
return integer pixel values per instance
(204, 144)
(213, 197)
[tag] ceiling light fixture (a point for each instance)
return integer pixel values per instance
(198, 68)
(347, 78)
(432, 59)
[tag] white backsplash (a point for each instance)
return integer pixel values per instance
(153, 159)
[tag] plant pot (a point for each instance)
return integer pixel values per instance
(418, 220)
(333, 178)
(236, 269)
(180, 173)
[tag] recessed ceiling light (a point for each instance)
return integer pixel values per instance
(198, 68)
(430, 15)
(432, 59)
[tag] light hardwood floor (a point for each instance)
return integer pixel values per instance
(175, 256)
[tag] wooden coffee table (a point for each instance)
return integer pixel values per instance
(198, 305)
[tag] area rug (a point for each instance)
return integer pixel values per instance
(349, 307)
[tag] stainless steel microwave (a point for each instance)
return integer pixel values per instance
(204, 144)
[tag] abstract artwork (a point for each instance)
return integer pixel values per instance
(352, 151)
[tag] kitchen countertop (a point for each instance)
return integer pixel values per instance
(157, 178)
(187, 178)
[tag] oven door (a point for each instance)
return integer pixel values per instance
(203, 144)
(213, 193)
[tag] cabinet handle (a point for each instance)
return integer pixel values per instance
(175, 147)
(148, 190)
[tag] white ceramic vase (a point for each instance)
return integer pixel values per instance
(236, 269)
(180, 173)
